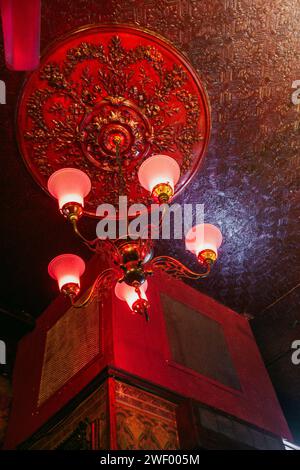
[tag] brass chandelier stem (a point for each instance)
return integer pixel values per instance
(89, 243)
(101, 285)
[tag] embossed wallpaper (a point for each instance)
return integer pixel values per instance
(247, 56)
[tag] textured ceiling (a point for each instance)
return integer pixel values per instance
(247, 56)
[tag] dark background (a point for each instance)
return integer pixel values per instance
(247, 55)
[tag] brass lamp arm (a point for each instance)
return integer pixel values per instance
(176, 269)
(103, 282)
(89, 243)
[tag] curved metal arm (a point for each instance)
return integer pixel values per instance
(102, 283)
(176, 269)
(89, 243)
(96, 245)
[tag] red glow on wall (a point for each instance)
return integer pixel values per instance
(143, 350)
(21, 28)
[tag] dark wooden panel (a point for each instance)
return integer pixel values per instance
(71, 343)
(201, 427)
(198, 343)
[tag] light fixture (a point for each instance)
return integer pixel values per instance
(135, 296)
(159, 174)
(132, 260)
(70, 186)
(204, 240)
(66, 270)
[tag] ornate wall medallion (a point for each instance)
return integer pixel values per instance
(104, 82)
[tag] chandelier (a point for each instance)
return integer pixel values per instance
(133, 259)
(115, 110)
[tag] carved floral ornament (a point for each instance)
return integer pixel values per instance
(107, 81)
(116, 111)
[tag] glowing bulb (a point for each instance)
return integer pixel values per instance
(125, 292)
(204, 240)
(66, 269)
(159, 174)
(69, 185)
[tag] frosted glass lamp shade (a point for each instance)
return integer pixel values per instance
(127, 293)
(69, 185)
(203, 237)
(158, 169)
(66, 269)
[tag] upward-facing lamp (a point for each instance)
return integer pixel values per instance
(159, 174)
(204, 240)
(67, 269)
(70, 186)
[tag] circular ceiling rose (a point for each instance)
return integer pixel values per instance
(106, 84)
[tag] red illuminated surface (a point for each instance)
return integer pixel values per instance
(142, 349)
(21, 29)
(66, 269)
(108, 81)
